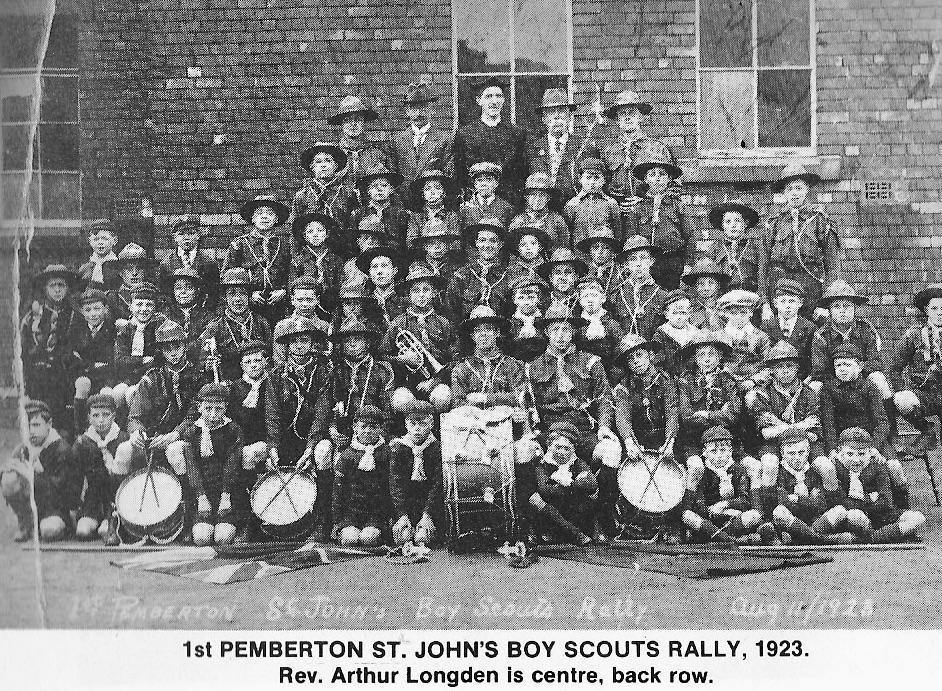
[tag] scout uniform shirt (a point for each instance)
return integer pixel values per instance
(435, 333)
(799, 403)
(303, 395)
(639, 306)
(801, 244)
(267, 258)
(857, 490)
(646, 408)
(218, 470)
(590, 210)
(92, 353)
(165, 400)
(798, 333)
(729, 483)
(550, 222)
(332, 199)
(476, 284)
(230, 333)
(812, 499)
(500, 377)
(200, 260)
(919, 352)
(254, 406)
(572, 388)
(475, 210)
(57, 484)
(749, 348)
(355, 384)
(620, 157)
(717, 394)
(133, 342)
(826, 339)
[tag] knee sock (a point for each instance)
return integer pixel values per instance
(552, 514)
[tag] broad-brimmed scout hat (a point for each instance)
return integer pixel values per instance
(494, 225)
(627, 99)
(656, 159)
(841, 290)
(558, 313)
(600, 233)
(795, 171)
(364, 259)
(713, 338)
(705, 267)
(299, 225)
(132, 252)
(528, 280)
(541, 235)
(378, 172)
(636, 243)
(55, 271)
(631, 342)
(350, 105)
(556, 98)
(750, 215)
(437, 229)
(562, 255)
(483, 314)
(420, 271)
(262, 200)
(307, 156)
(294, 325)
(430, 174)
(354, 327)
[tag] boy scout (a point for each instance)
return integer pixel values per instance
(638, 299)
(324, 191)
(734, 244)
(801, 242)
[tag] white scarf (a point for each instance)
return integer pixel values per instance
(137, 341)
(801, 489)
(251, 398)
(418, 462)
(98, 262)
(367, 461)
(726, 480)
(206, 439)
(856, 488)
(187, 258)
(680, 336)
(528, 330)
(595, 331)
(34, 451)
(102, 442)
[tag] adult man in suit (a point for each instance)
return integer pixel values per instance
(421, 145)
(491, 138)
(555, 151)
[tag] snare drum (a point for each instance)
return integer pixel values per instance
(651, 488)
(284, 503)
(150, 505)
(479, 481)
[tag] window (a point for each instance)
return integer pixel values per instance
(55, 193)
(526, 42)
(756, 80)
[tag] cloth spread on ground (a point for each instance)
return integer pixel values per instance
(684, 561)
(237, 563)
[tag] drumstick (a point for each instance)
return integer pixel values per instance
(284, 486)
(651, 471)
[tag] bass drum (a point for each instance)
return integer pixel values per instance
(478, 466)
(150, 505)
(284, 503)
(652, 488)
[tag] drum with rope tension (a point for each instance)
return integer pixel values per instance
(284, 500)
(652, 488)
(150, 505)
(478, 466)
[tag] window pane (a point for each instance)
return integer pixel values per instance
(725, 33)
(783, 32)
(784, 108)
(59, 147)
(468, 109)
(59, 99)
(61, 195)
(20, 39)
(63, 42)
(483, 35)
(16, 108)
(15, 146)
(12, 191)
(726, 110)
(541, 36)
(530, 93)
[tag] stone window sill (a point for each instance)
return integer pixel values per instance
(755, 169)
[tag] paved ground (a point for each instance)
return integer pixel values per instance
(856, 590)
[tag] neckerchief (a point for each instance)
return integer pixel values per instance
(246, 327)
(931, 342)
(680, 336)
(422, 320)
(595, 330)
(137, 340)
(528, 330)
(638, 310)
(418, 462)
(487, 287)
(563, 382)
(801, 489)
(102, 442)
(187, 258)
(787, 326)
(492, 362)
(367, 460)
(856, 488)
(206, 439)
(34, 451)
(251, 398)
(98, 262)
(268, 257)
(723, 474)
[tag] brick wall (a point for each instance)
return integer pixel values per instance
(162, 78)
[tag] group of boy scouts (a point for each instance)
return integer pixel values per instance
(489, 267)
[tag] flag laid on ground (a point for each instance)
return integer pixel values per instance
(683, 561)
(236, 563)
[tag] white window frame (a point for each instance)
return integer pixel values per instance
(758, 152)
(512, 74)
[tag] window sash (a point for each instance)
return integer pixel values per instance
(755, 151)
(512, 74)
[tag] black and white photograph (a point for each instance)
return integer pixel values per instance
(594, 326)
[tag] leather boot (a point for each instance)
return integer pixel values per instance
(576, 536)
(802, 533)
(111, 538)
